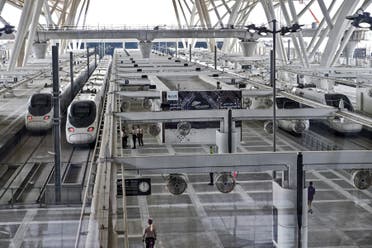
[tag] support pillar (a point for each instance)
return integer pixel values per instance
(227, 138)
(248, 47)
(349, 50)
(40, 49)
(56, 126)
(327, 85)
(145, 48)
(72, 75)
(290, 217)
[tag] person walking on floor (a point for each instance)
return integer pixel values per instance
(310, 196)
(149, 235)
(140, 135)
(124, 138)
(134, 137)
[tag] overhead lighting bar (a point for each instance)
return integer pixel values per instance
(263, 31)
(361, 19)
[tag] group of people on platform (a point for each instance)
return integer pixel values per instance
(137, 135)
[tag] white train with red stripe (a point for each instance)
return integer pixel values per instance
(83, 113)
(40, 108)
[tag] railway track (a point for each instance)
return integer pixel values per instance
(23, 171)
(27, 183)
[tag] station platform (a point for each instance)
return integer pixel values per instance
(203, 216)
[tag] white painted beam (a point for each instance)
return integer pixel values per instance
(261, 161)
(247, 162)
(220, 114)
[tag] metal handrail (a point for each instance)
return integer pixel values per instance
(88, 184)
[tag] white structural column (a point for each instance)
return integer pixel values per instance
(232, 19)
(248, 47)
(336, 34)
(285, 216)
(40, 49)
(222, 136)
(31, 34)
(21, 33)
(145, 48)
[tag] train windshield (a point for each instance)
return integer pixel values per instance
(40, 104)
(82, 113)
(285, 103)
(335, 99)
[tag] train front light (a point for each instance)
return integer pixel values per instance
(299, 126)
(71, 129)
(46, 117)
(29, 118)
(90, 129)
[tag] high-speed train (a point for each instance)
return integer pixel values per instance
(336, 100)
(83, 113)
(294, 126)
(39, 108)
(265, 102)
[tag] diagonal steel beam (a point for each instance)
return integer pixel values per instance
(336, 34)
(299, 34)
(325, 13)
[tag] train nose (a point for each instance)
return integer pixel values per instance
(299, 127)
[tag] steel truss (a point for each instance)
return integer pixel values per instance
(57, 13)
(332, 27)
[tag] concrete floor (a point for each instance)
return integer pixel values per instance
(38, 227)
(204, 217)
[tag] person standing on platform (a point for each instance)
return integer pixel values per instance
(140, 135)
(310, 196)
(211, 176)
(149, 235)
(134, 137)
(124, 138)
